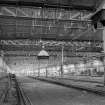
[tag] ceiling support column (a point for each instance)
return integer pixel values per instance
(99, 17)
(102, 20)
(62, 61)
(104, 52)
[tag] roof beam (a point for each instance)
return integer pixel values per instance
(44, 4)
(74, 16)
(87, 16)
(23, 12)
(82, 33)
(101, 6)
(9, 11)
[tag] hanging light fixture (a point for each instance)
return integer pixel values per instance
(43, 54)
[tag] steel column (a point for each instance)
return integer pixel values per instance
(104, 52)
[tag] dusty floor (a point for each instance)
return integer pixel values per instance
(42, 93)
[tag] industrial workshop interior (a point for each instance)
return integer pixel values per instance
(52, 52)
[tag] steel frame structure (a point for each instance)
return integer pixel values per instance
(32, 47)
(48, 20)
(53, 4)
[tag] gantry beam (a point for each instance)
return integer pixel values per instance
(49, 43)
(34, 13)
(82, 55)
(52, 45)
(46, 4)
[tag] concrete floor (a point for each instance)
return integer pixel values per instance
(41, 93)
